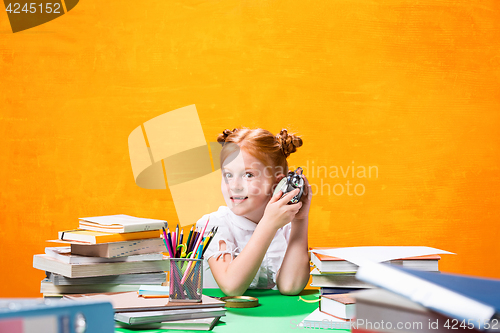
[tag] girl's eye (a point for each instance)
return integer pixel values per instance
(249, 175)
(227, 175)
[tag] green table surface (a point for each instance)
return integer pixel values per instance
(276, 313)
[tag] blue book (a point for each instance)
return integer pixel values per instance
(55, 316)
(462, 297)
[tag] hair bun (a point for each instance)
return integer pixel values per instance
(288, 142)
(222, 137)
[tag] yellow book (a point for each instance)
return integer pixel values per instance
(97, 237)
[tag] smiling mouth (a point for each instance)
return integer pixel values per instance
(238, 199)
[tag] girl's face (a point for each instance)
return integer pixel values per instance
(246, 185)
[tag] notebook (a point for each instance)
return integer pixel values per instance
(120, 223)
(130, 302)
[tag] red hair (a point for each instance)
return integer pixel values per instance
(270, 149)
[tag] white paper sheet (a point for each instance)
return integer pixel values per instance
(318, 319)
(361, 255)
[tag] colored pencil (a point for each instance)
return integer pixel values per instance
(197, 255)
(174, 241)
(189, 237)
(213, 235)
(196, 247)
(197, 236)
(170, 240)
(180, 242)
(207, 243)
(165, 240)
(190, 247)
(177, 234)
(182, 236)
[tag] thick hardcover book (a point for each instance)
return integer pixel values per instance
(98, 237)
(47, 263)
(326, 264)
(119, 249)
(456, 296)
(64, 254)
(130, 302)
(146, 317)
(47, 287)
(202, 324)
(156, 278)
(383, 311)
(38, 315)
(333, 290)
(339, 305)
(338, 280)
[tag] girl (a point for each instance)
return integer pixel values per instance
(261, 241)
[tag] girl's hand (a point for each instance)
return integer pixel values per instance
(305, 199)
(278, 213)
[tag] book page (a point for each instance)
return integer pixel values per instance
(365, 254)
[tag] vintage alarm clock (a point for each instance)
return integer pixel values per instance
(292, 181)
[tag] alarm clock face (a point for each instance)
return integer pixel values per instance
(282, 185)
(289, 184)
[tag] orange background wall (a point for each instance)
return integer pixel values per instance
(411, 87)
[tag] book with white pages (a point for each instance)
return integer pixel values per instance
(340, 305)
(336, 280)
(130, 302)
(146, 317)
(328, 264)
(201, 324)
(47, 263)
(151, 278)
(120, 223)
(64, 254)
(47, 287)
(119, 249)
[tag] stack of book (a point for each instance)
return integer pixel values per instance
(337, 279)
(136, 312)
(334, 275)
(114, 253)
(415, 301)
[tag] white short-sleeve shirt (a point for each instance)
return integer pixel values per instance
(236, 231)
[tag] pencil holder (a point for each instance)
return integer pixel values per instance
(186, 280)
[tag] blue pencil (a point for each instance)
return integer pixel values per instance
(169, 249)
(170, 241)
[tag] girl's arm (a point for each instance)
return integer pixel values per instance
(234, 277)
(293, 275)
